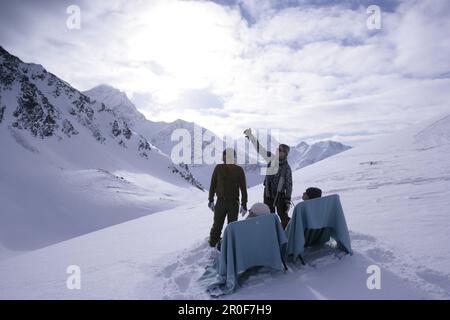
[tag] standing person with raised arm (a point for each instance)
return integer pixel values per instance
(278, 179)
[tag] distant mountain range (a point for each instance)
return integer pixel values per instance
(159, 133)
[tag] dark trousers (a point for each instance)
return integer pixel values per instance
(280, 209)
(224, 208)
(316, 236)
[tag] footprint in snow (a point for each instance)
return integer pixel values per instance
(183, 282)
(189, 265)
(439, 279)
(380, 255)
(168, 270)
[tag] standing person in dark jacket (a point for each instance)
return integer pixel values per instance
(278, 179)
(226, 181)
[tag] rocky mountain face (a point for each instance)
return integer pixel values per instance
(35, 101)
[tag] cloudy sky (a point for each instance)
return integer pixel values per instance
(311, 69)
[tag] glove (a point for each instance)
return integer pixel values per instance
(247, 132)
(211, 205)
(243, 209)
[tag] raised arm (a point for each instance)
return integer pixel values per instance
(267, 155)
(259, 148)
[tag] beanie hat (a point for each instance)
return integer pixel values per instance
(313, 192)
(285, 147)
(258, 209)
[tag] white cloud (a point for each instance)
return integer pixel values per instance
(420, 34)
(308, 70)
(304, 24)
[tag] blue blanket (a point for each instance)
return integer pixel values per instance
(259, 241)
(325, 212)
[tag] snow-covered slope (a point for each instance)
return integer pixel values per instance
(396, 189)
(395, 193)
(68, 165)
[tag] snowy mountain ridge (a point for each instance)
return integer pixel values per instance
(159, 134)
(47, 106)
(303, 154)
(117, 101)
